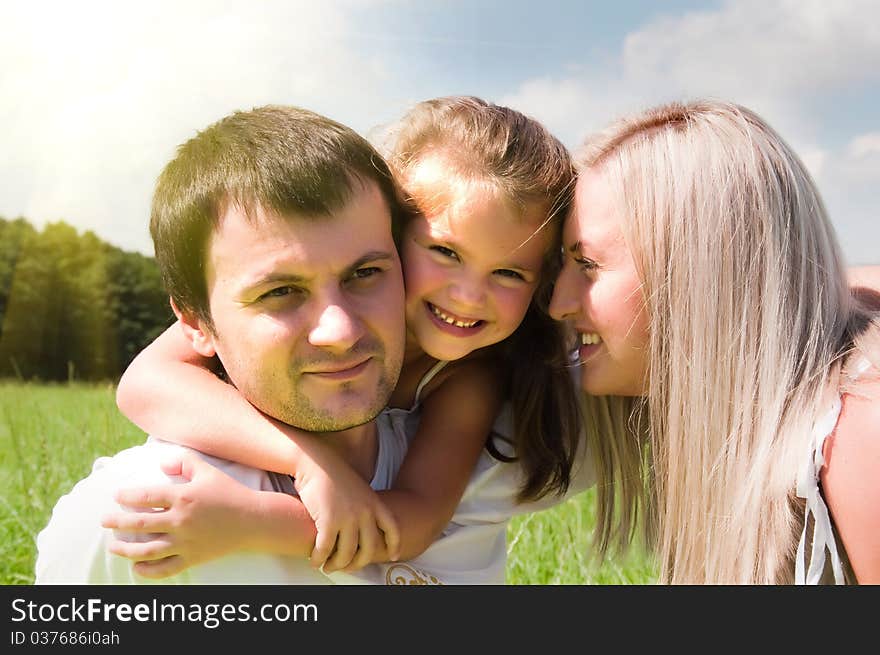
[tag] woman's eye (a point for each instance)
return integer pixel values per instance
(586, 263)
(446, 252)
(513, 275)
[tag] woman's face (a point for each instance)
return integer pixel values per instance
(600, 294)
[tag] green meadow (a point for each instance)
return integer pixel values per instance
(51, 434)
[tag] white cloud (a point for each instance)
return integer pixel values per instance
(564, 106)
(858, 165)
(865, 145)
(814, 159)
(850, 186)
(778, 57)
(96, 95)
(760, 46)
(765, 54)
(101, 93)
(571, 108)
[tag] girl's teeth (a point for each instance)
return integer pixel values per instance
(590, 338)
(451, 321)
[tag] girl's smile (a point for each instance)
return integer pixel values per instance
(470, 266)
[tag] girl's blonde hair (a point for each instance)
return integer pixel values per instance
(750, 318)
(483, 145)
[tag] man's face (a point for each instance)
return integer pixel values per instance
(308, 311)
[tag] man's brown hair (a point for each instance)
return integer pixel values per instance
(284, 159)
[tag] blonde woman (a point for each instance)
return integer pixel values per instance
(730, 374)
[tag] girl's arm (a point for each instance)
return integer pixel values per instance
(208, 516)
(850, 482)
(457, 417)
(214, 418)
(169, 391)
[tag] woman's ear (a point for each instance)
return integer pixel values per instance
(196, 330)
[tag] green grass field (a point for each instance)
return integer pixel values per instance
(51, 434)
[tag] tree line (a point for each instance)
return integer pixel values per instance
(73, 306)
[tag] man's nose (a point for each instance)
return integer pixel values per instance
(566, 300)
(336, 328)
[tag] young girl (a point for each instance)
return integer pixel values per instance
(490, 187)
(736, 372)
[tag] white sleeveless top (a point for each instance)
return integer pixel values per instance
(472, 549)
(808, 488)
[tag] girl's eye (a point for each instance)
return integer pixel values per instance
(446, 252)
(513, 275)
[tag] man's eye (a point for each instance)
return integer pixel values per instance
(281, 292)
(446, 252)
(366, 272)
(506, 272)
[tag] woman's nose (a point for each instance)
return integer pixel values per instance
(566, 299)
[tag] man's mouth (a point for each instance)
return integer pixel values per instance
(340, 371)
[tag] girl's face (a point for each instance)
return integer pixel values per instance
(471, 269)
(600, 293)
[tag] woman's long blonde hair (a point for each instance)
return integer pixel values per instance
(750, 318)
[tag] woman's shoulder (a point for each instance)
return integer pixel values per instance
(849, 478)
(859, 425)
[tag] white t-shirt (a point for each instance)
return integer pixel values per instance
(72, 548)
(472, 549)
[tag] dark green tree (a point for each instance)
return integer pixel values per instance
(73, 306)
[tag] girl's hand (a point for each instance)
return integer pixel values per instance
(354, 526)
(181, 525)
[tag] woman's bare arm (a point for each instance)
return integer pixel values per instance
(850, 482)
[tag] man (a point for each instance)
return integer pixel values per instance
(273, 230)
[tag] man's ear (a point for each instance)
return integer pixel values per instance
(196, 331)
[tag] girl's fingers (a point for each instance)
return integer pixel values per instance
(388, 525)
(172, 465)
(138, 522)
(186, 465)
(159, 547)
(325, 543)
(346, 545)
(161, 568)
(368, 541)
(161, 497)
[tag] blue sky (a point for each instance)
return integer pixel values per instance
(95, 96)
